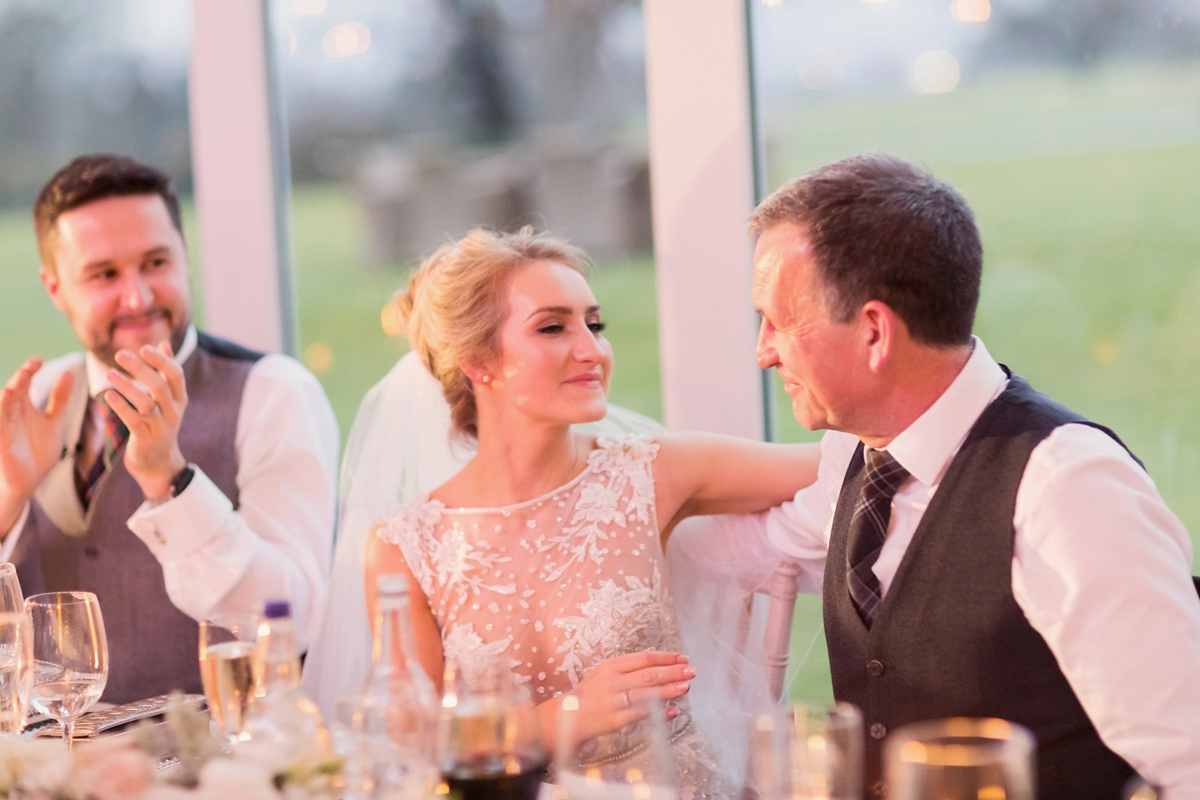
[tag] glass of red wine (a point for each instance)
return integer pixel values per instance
(489, 740)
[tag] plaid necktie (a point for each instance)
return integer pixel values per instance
(868, 529)
(115, 434)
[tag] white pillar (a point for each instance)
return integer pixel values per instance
(239, 162)
(702, 177)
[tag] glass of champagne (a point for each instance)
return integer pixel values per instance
(956, 759)
(16, 670)
(227, 647)
(70, 655)
(489, 743)
(633, 763)
(10, 589)
(808, 751)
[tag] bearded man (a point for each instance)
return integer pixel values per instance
(177, 476)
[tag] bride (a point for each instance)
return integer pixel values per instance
(545, 552)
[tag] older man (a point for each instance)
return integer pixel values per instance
(983, 550)
(176, 475)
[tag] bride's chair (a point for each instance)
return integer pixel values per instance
(777, 636)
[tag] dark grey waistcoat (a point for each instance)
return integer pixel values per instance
(949, 639)
(152, 645)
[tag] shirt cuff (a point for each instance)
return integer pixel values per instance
(14, 535)
(184, 523)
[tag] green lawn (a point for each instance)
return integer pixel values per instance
(1086, 186)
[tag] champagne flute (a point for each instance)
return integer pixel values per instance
(489, 743)
(956, 759)
(802, 752)
(70, 654)
(16, 670)
(10, 589)
(633, 763)
(227, 646)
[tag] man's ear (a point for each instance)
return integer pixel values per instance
(53, 286)
(880, 327)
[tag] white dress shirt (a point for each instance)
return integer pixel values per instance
(278, 543)
(1101, 568)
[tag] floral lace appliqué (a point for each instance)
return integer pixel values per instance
(450, 561)
(622, 465)
(614, 620)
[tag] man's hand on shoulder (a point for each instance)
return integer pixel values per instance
(152, 409)
(30, 439)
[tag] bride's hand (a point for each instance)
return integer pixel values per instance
(609, 694)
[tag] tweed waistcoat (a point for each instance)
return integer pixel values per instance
(949, 638)
(152, 645)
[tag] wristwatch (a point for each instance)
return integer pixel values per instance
(178, 484)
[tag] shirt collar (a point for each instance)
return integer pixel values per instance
(97, 373)
(926, 446)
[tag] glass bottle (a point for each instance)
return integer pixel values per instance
(283, 727)
(397, 708)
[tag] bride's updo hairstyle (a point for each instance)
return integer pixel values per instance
(457, 301)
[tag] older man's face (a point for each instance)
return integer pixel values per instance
(816, 357)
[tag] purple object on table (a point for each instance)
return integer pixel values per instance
(277, 608)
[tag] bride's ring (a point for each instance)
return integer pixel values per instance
(627, 698)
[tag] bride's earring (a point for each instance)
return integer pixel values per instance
(485, 380)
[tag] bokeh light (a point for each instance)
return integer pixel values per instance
(343, 41)
(772, 3)
(318, 357)
(971, 10)
(293, 43)
(935, 72)
(308, 8)
(822, 69)
(390, 321)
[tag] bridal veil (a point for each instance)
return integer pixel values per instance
(400, 445)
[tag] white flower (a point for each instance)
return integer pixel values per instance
(237, 779)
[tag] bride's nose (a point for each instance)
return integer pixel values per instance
(586, 349)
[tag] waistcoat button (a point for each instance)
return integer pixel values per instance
(878, 730)
(874, 668)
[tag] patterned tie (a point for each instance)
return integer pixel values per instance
(868, 529)
(115, 434)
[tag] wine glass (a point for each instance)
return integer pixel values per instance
(227, 646)
(956, 759)
(70, 653)
(10, 589)
(802, 752)
(633, 763)
(489, 743)
(16, 670)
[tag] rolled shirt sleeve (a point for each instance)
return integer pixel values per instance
(799, 529)
(278, 541)
(1102, 570)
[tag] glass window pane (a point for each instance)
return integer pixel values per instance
(76, 78)
(1072, 129)
(411, 123)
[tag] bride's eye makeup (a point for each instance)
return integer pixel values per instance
(596, 326)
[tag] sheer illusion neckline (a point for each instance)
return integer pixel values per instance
(508, 509)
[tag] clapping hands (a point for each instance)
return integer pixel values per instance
(31, 440)
(150, 399)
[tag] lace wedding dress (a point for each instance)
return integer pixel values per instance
(553, 586)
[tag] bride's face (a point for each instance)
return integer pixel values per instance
(554, 363)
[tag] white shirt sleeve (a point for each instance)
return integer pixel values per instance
(1102, 570)
(14, 535)
(799, 529)
(278, 543)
